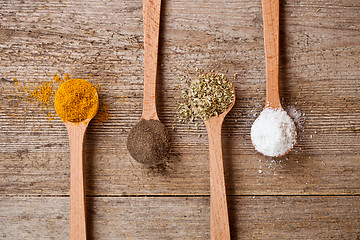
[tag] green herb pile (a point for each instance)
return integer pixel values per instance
(210, 95)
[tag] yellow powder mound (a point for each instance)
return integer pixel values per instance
(42, 94)
(76, 100)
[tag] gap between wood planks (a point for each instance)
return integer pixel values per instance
(182, 195)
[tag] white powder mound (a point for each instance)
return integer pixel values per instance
(273, 133)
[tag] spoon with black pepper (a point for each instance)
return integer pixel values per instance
(148, 141)
(212, 96)
(76, 103)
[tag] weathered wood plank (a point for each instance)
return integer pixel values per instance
(324, 129)
(320, 77)
(258, 217)
(116, 173)
(320, 52)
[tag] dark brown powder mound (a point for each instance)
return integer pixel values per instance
(148, 142)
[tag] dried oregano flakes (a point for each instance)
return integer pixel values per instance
(210, 94)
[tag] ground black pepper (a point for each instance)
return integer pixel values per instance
(148, 142)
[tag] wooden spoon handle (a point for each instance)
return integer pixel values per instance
(219, 219)
(271, 40)
(151, 14)
(77, 181)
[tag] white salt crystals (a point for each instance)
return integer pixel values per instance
(273, 133)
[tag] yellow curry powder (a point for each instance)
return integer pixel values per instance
(103, 114)
(76, 100)
(42, 93)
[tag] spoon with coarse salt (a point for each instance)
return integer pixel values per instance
(219, 218)
(76, 103)
(273, 133)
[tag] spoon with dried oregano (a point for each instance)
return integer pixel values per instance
(212, 95)
(76, 103)
(273, 133)
(148, 141)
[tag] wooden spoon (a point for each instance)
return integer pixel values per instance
(76, 132)
(219, 218)
(151, 13)
(152, 153)
(77, 180)
(271, 42)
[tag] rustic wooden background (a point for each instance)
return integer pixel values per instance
(312, 193)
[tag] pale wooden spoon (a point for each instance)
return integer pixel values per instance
(271, 43)
(219, 218)
(76, 132)
(151, 13)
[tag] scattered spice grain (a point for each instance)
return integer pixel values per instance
(103, 113)
(42, 95)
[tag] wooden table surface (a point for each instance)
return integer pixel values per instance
(312, 193)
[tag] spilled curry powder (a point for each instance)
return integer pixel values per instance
(76, 100)
(103, 113)
(42, 95)
(44, 92)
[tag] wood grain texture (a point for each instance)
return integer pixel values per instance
(76, 132)
(151, 13)
(116, 173)
(319, 77)
(271, 15)
(219, 218)
(251, 217)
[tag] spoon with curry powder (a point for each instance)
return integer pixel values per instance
(274, 132)
(148, 141)
(212, 96)
(76, 103)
